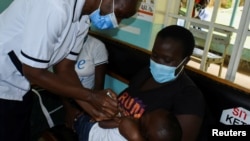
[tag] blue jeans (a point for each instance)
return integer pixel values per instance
(82, 127)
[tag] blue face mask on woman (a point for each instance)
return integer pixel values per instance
(162, 73)
(103, 22)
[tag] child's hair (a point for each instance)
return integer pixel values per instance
(180, 34)
(161, 125)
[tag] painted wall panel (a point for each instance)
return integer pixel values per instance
(4, 4)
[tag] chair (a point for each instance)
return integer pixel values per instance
(219, 37)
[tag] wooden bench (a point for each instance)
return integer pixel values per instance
(219, 37)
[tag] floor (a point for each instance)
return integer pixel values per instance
(241, 79)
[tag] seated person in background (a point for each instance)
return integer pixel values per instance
(164, 84)
(200, 10)
(91, 67)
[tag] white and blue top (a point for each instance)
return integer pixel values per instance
(93, 53)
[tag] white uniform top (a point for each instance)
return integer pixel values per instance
(204, 15)
(93, 53)
(97, 133)
(41, 33)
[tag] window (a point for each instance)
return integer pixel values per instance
(228, 15)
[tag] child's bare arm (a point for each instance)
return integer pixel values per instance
(113, 123)
(129, 128)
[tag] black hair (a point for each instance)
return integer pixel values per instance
(181, 34)
(204, 3)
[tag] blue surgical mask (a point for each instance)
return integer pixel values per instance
(162, 73)
(103, 22)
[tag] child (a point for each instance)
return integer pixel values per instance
(155, 125)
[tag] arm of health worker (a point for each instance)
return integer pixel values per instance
(64, 82)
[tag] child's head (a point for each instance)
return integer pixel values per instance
(160, 125)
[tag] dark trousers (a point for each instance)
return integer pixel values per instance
(15, 119)
(83, 126)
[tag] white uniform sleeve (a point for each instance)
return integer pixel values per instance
(43, 30)
(83, 27)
